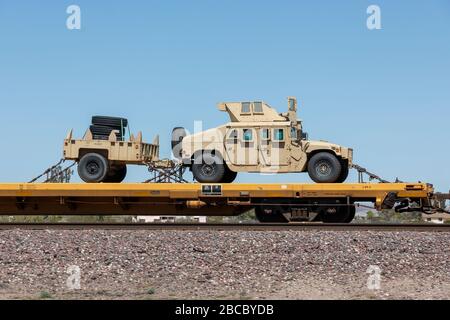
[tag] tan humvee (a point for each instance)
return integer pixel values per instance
(258, 139)
(106, 160)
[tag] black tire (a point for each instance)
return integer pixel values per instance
(324, 167)
(208, 168)
(117, 174)
(344, 172)
(178, 135)
(229, 176)
(121, 174)
(341, 214)
(97, 137)
(110, 121)
(351, 215)
(93, 167)
(102, 131)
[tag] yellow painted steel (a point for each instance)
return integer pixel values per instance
(184, 199)
(194, 190)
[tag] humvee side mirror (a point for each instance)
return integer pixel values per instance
(304, 136)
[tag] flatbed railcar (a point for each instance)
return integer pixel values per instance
(327, 202)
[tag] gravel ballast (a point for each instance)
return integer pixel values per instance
(224, 264)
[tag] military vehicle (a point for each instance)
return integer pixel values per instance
(103, 153)
(258, 139)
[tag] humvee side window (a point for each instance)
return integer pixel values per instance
(233, 136)
(245, 108)
(257, 107)
(248, 135)
(265, 134)
(278, 135)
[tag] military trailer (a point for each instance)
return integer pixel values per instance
(103, 153)
(258, 139)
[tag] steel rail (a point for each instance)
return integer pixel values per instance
(229, 226)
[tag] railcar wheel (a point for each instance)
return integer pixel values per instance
(339, 214)
(270, 214)
(351, 215)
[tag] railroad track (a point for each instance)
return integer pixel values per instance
(227, 226)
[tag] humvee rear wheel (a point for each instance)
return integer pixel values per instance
(229, 176)
(93, 167)
(208, 168)
(324, 167)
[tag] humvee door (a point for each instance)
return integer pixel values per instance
(241, 146)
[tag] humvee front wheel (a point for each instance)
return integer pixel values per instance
(344, 172)
(93, 167)
(208, 168)
(324, 167)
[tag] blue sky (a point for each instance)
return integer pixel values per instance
(167, 63)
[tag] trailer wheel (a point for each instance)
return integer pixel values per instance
(93, 167)
(324, 167)
(121, 173)
(208, 168)
(117, 174)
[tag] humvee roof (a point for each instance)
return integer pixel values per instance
(256, 111)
